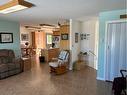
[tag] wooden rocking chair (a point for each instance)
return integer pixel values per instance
(59, 65)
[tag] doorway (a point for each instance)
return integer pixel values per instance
(116, 49)
(96, 46)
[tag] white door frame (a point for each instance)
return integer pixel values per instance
(106, 45)
(96, 45)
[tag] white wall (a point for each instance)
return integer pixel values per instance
(90, 27)
(75, 27)
(23, 30)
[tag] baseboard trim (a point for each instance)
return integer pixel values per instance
(98, 78)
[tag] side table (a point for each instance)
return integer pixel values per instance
(26, 64)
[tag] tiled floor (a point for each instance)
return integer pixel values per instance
(39, 81)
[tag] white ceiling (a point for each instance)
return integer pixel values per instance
(51, 11)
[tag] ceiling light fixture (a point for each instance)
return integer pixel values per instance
(15, 5)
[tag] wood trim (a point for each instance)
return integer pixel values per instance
(9, 4)
(16, 2)
(56, 33)
(25, 3)
(33, 27)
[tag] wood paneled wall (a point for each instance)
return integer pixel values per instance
(39, 39)
(56, 33)
(64, 44)
(33, 39)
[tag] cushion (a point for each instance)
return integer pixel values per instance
(5, 60)
(7, 52)
(11, 66)
(54, 64)
(4, 53)
(3, 68)
(62, 55)
(67, 56)
(17, 65)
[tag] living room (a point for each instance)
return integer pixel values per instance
(80, 31)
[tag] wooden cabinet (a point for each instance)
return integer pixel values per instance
(64, 29)
(53, 53)
(39, 39)
(50, 53)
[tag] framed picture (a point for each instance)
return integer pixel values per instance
(81, 36)
(24, 37)
(6, 37)
(85, 36)
(76, 37)
(88, 36)
(56, 38)
(64, 37)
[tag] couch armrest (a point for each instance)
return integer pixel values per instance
(19, 61)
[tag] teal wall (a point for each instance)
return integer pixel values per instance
(11, 27)
(103, 18)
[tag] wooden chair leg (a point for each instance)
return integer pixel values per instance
(52, 70)
(58, 70)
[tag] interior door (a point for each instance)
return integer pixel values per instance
(116, 50)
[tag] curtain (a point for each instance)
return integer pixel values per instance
(116, 58)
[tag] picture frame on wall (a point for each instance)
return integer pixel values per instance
(56, 38)
(81, 36)
(64, 37)
(24, 37)
(76, 37)
(6, 37)
(85, 36)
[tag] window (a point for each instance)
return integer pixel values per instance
(49, 39)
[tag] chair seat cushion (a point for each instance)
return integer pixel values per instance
(3, 67)
(53, 64)
(11, 66)
(17, 65)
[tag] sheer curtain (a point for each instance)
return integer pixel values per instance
(116, 58)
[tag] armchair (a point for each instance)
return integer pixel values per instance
(59, 65)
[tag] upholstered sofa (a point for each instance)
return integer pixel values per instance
(9, 65)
